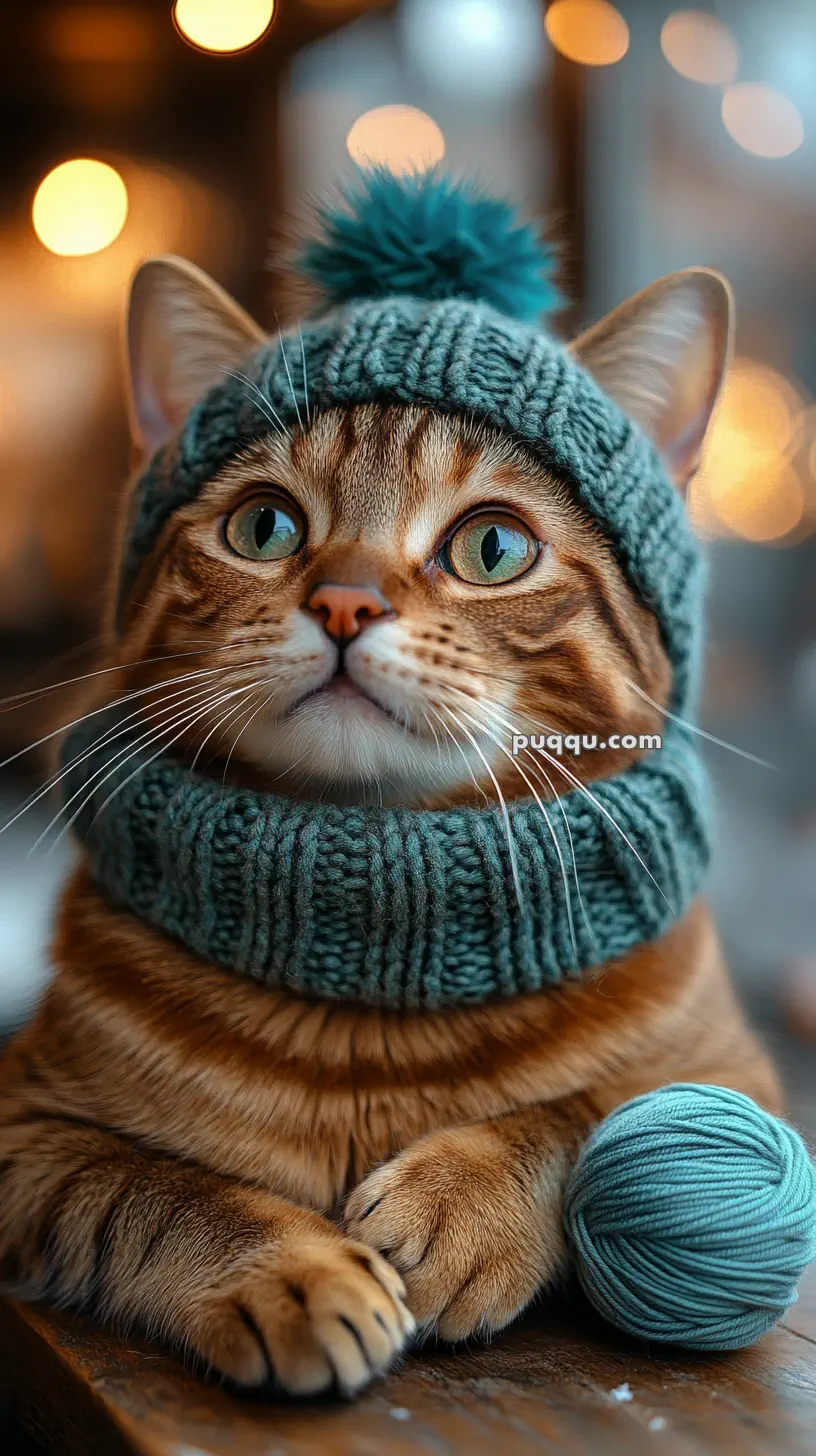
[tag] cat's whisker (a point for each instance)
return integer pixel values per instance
(186, 719)
(511, 848)
(68, 682)
(701, 732)
(290, 768)
(117, 731)
(164, 611)
(220, 727)
(455, 741)
(188, 695)
(489, 707)
(191, 720)
(289, 377)
(582, 789)
(221, 724)
(117, 702)
(433, 732)
(60, 657)
(253, 715)
(121, 726)
(435, 736)
(305, 377)
(66, 771)
(547, 820)
(205, 740)
(265, 404)
(540, 774)
(267, 408)
(193, 692)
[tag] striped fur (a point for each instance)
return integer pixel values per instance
(178, 1149)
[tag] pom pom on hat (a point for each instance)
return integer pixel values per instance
(692, 1213)
(432, 237)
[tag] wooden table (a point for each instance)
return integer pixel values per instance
(558, 1382)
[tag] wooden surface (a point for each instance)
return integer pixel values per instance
(548, 1385)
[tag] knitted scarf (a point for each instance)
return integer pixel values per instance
(394, 907)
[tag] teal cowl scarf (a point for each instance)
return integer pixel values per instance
(395, 907)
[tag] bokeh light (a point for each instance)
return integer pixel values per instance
(762, 505)
(761, 120)
(748, 482)
(401, 138)
(223, 25)
(169, 211)
(763, 404)
(80, 207)
(700, 47)
(591, 32)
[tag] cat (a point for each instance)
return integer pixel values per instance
(284, 1188)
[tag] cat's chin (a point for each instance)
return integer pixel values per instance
(341, 747)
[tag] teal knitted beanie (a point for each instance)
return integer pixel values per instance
(430, 296)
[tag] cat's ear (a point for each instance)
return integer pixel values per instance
(662, 357)
(184, 334)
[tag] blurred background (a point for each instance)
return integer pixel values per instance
(650, 136)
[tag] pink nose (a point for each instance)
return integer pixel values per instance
(347, 609)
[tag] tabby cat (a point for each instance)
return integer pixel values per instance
(359, 609)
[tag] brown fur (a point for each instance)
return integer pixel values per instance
(176, 1143)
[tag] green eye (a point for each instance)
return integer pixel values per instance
(490, 549)
(266, 528)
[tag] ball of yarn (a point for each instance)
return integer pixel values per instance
(692, 1214)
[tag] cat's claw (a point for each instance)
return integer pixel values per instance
(307, 1317)
(472, 1243)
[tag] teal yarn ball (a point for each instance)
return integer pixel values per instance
(692, 1214)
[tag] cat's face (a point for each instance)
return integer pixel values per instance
(404, 592)
(368, 609)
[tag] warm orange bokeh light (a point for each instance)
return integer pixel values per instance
(761, 120)
(401, 138)
(223, 26)
(763, 404)
(80, 207)
(700, 47)
(762, 505)
(747, 482)
(591, 32)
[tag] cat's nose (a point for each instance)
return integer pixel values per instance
(346, 610)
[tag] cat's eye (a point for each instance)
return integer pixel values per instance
(490, 548)
(268, 527)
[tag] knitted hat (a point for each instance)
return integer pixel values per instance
(431, 293)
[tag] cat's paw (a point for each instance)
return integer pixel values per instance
(306, 1317)
(473, 1234)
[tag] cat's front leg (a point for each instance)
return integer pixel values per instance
(250, 1285)
(472, 1216)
